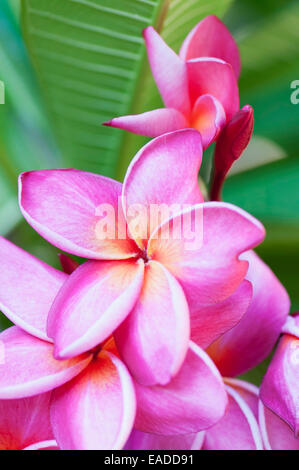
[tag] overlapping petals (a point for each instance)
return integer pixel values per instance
(205, 258)
(96, 410)
(25, 424)
(199, 87)
(280, 387)
(42, 372)
(276, 433)
(211, 38)
(145, 441)
(253, 338)
(154, 338)
(92, 303)
(238, 429)
(197, 389)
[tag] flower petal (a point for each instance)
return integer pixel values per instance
(230, 145)
(29, 368)
(201, 248)
(68, 264)
(163, 175)
(280, 386)
(154, 338)
(212, 321)
(194, 400)
(25, 422)
(96, 410)
(169, 71)
(211, 38)
(253, 338)
(237, 430)
(152, 123)
(27, 288)
(214, 77)
(208, 117)
(70, 208)
(95, 299)
(145, 441)
(276, 433)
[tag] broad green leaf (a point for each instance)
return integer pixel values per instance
(90, 58)
(24, 134)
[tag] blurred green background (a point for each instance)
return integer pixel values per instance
(69, 65)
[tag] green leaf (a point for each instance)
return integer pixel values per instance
(90, 59)
(25, 141)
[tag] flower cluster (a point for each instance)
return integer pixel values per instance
(139, 345)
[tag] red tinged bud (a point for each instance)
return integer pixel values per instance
(230, 145)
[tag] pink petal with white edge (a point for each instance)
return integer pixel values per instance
(152, 123)
(248, 392)
(96, 410)
(211, 38)
(25, 422)
(29, 368)
(280, 386)
(169, 71)
(70, 209)
(154, 338)
(193, 401)
(237, 430)
(214, 77)
(203, 247)
(212, 321)
(291, 325)
(27, 288)
(145, 441)
(208, 117)
(95, 299)
(276, 433)
(164, 172)
(253, 338)
(44, 445)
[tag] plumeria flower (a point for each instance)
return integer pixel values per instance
(25, 424)
(199, 86)
(143, 287)
(93, 400)
(280, 386)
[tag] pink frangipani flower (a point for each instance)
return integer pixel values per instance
(199, 86)
(280, 386)
(144, 288)
(25, 424)
(93, 400)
